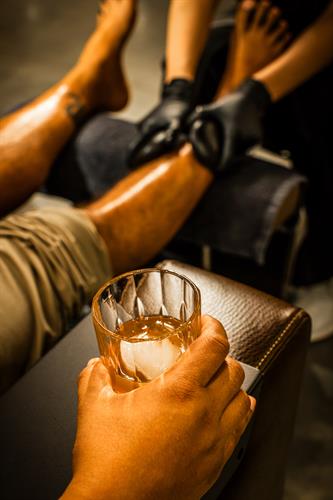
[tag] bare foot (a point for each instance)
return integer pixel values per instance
(98, 73)
(260, 35)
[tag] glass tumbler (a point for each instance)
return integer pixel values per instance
(144, 320)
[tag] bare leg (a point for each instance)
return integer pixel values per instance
(31, 138)
(260, 35)
(144, 210)
(187, 30)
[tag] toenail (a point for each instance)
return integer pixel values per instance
(248, 5)
(92, 362)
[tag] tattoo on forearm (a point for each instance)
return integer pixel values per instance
(75, 108)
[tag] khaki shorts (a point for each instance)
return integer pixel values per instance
(52, 261)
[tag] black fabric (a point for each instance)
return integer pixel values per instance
(94, 161)
(301, 124)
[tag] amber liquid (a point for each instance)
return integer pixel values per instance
(154, 344)
(149, 327)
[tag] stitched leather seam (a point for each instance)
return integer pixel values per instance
(280, 337)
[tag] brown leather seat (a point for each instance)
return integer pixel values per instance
(273, 336)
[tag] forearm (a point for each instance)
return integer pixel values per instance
(309, 54)
(188, 26)
(30, 140)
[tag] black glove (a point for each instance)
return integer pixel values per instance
(225, 129)
(162, 130)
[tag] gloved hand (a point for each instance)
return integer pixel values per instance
(161, 131)
(225, 129)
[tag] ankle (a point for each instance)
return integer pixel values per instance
(80, 84)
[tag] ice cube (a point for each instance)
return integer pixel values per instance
(151, 358)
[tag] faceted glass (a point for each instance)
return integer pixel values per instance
(144, 320)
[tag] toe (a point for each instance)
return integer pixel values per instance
(280, 31)
(283, 43)
(244, 13)
(273, 15)
(261, 12)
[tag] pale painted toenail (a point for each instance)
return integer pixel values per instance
(92, 362)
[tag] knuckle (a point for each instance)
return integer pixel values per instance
(245, 402)
(236, 371)
(183, 389)
(229, 447)
(218, 340)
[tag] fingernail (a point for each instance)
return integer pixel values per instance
(92, 361)
(253, 403)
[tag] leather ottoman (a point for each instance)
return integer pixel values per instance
(272, 336)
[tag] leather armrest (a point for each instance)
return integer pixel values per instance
(271, 335)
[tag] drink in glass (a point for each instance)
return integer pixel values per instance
(144, 321)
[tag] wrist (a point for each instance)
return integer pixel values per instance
(179, 73)
(256, 92)
(268, 83)
(179, 88)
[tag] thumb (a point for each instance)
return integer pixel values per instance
(93, 378)
(100, 377)
(205, 355)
